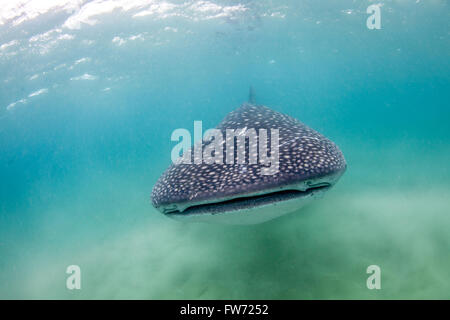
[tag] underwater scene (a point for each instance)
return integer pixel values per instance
(91, 93)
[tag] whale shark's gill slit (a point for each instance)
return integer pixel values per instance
(248, 202)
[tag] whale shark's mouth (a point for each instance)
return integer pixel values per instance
(248, 202)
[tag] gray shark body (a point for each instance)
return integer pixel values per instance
(309, 165)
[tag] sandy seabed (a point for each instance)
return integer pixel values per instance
(320, 252)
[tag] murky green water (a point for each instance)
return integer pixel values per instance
(89, 97)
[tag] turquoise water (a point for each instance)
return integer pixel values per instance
(91, 92)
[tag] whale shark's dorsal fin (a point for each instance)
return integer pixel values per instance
(251, 95)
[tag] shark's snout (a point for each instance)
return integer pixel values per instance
(307, 165)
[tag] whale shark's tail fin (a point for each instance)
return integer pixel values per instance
(251, 95)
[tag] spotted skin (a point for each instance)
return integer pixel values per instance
(303, 154)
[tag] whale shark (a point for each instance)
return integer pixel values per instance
(308, 164)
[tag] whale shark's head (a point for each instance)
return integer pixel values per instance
(304, 164)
